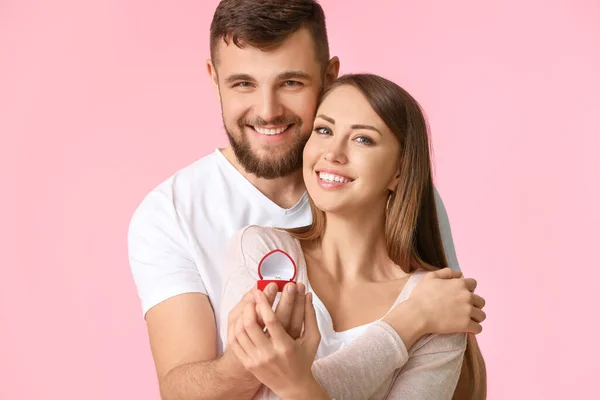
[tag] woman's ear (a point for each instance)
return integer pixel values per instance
(394, 182)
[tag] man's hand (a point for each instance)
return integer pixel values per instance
(443, 302)
(289, 312)
(279, 361)
(236, 315)
(448, 303)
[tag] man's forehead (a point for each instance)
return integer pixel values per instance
(295, 53)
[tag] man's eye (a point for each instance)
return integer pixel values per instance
(243, 84)
(292, 83)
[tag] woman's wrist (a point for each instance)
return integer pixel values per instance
(408, 322)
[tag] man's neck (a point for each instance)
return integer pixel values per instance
(285, 192)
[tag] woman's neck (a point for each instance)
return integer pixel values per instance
(353, 248)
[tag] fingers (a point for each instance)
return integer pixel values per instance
(270, 292)
(253, 330)
(298, 313)
(311, 328)
(238, 311)
(470, 284)
(239, 352)
(474, 328)
(273, 324)
(478, 301)
(242, 338)
(447, 273)
(285, 306)
(478, 315)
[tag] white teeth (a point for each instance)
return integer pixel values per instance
(263, 131)
(333, 178)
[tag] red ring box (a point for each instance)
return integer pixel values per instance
(276, 266)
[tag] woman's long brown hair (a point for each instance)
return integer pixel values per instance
(412, 231)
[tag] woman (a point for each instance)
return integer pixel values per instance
(373, 237)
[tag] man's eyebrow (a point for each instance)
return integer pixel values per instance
(293, 75)
(326, 118)
(238, 77)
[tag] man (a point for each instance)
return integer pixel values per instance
(269, 63)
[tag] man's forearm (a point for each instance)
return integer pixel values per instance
(208, 380)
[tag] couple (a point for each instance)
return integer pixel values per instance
(373, 237)
(269, 65)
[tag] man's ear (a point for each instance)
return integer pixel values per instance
(214, 78)
(333, 69)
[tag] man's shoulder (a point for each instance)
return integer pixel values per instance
(187, 181)
(198, 174)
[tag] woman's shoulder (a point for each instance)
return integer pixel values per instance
(255, 241)
(255, 234)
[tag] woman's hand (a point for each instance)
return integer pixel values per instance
(278, 361)
(442, 302)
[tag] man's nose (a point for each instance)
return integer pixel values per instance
(270, 107)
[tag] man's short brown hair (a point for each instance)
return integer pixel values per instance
(265, 24)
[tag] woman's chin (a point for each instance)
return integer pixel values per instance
(329, 207)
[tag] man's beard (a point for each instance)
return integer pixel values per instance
(269, 168)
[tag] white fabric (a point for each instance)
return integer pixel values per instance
(178, 234)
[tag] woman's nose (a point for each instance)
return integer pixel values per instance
(336, 152)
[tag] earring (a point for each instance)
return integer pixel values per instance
(387, 204)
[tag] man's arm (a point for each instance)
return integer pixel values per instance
(183, 339)
(178, 313)
(445, 231)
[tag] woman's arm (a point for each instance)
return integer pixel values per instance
(357, 370)
(433, 369)
(360, 368)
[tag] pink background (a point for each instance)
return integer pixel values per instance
(102, 100)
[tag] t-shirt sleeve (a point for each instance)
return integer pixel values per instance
(159, 255)
(446, 231)
(432, 370)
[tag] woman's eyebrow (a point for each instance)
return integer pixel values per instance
(326, 118)
(355, 126)
(369, 127)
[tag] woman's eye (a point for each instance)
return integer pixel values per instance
(364, 140)
(322, 131)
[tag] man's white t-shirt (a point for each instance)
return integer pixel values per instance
(178, 235)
